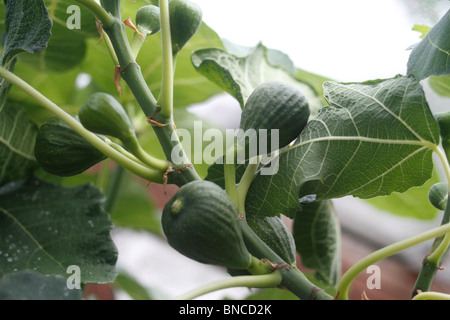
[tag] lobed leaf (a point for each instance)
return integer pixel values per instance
(375, 138)
(411, 203)
(67, 45)
(216, 173)
(17, 136)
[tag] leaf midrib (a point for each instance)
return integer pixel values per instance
(382, 105)
(15, 150)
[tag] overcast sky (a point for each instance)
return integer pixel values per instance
(347, 40)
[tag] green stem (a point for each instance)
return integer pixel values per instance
(112, 6)
(230, 182)
(170, 141)
(258, 267)
(350, 275)
(144, 172)
(99, 12)
(166, 95)
(258, 281)
(443, 158)
(432, 296)
(151, 161)
(425, 277)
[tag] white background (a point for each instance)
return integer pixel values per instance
(346, 40)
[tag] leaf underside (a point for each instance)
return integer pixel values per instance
(27, 29)
(31, 285)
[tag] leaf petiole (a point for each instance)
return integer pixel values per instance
(433, 259)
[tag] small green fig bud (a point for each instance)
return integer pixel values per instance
(438, 195)
(103, 114)
(202, 223)
(62, 151)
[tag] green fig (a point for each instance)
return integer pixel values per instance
(273, 107)
(202, 223)
(185, 19)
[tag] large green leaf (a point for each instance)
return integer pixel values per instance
(375, 138)
(440, 84)
(431, 56)
(31, 285)
(272, 294)
(47, 228)
(317, 239)
(134, 207)
(193, 134)
(189, 86)
(239, 76)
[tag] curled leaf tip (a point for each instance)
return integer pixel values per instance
(117, 78)
(100, 30)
